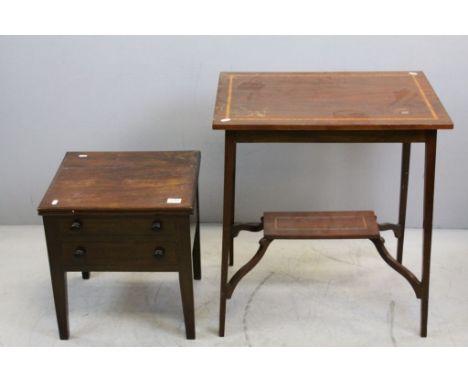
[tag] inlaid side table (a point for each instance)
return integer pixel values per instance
(123, 211)
(365, 107)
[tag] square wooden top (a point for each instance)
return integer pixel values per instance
(123, 182)
(328, 101)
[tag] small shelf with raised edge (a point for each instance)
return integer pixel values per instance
(321, 225)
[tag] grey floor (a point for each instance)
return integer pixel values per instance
(303, 293)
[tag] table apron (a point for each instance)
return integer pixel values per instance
(272, 136)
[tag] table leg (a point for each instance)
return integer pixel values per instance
(59, 288)
(58, 276)
(429, 175)
(231, 249)
(228, 220)
(185, 279)
(233, 199)
(196, 244)
(405, 161)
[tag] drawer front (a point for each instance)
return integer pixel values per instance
(128, 252)
(132, 225)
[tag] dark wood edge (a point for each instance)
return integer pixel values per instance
(110, 212)
(285, 126)
(383, 136)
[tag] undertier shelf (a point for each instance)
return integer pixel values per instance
(321, 225)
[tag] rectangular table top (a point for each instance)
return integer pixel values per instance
(163, 181)
(328, 101)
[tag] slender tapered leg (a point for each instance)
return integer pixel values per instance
(58, 275)
(85, 275)
(233, 199)
(59, 288)
(228, 220)
(428, 204)
(184, 261)
(405, 161)
(196, 244)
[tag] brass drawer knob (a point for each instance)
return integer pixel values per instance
(158, 252)
(76, 226)
(156, 226)
(80, 252)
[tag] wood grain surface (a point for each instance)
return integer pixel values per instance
(328, 101)
(320, 225)
(123, 181)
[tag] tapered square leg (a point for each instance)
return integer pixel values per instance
(185, 278)
(58, 276)
(405, 163)
(59, 288)
(196, 245)
(186, 291)
(429, 175)
(228, 219)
